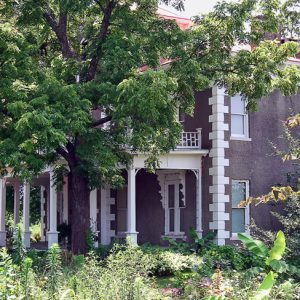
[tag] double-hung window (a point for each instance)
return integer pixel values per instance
(239, 118)
(240, 216)
(174, 203)
(180, 116)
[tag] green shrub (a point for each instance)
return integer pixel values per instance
(287, 290)
(229, 257)
(290, 219)
(35, 235)
(54, 271)
(38, 259)
(9, 287)
(26, 276)
(19, 251)
(103, 251)
(164, 261)
(180, 247)
(123, 275)
(129, 272)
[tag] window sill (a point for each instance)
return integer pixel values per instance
(240, 138)
(180, 236)
(234, 236)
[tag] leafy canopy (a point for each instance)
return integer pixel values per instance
(83, 81)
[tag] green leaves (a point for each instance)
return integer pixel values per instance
(265, 287)
(273, 256)
(257, 247)
(278, 248)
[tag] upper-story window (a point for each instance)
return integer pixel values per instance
(239, 118)
(181, 116)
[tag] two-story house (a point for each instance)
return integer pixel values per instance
(224, 156)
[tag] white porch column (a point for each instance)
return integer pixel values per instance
(199, 228)
(2, 212)
(66, 201)
(93, 214)
(131, 206)
(26, 199)
(103, 209)
(52, 233)
(43, 213)
(16, 204)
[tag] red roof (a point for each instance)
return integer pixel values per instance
(183, 23)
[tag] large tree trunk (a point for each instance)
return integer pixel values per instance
(80, 220)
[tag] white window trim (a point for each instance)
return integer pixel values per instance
(177, 209)
(240, 137)
(234, 236)
(178, 117)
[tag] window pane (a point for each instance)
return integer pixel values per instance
(237, 105)
(237, 124)
(171, 220)
(182, 229)
(238, 220)
(181, 196)
(181, 115)
(171, 195)
(238, 193)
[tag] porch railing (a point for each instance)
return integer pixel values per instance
(190, 140)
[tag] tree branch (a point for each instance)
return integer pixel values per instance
(101, 121)
(100, 39)
(60, 29)
(101, 6)
(61, 151)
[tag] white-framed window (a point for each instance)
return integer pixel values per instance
(239, 118)
(173, 205)
(240, 216)
(180, 116)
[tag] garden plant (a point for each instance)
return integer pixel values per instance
(126, 271)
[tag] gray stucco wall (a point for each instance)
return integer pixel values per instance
(255, 160)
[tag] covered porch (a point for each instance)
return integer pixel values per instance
(53, 208)
(149, 207)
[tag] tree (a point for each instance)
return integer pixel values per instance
(73, 89)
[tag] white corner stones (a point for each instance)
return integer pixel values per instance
(217, 153)
(107, 217)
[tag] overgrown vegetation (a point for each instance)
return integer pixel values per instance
(125, 271)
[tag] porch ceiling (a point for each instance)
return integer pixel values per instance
(42, 179)
(178, 159)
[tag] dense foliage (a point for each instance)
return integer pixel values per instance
(126, 271)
